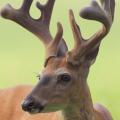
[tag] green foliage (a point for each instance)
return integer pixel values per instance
(22, 54)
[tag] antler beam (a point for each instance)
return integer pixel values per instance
(21, 16)
(39, 27)
(103, 14)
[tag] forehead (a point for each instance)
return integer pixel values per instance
(55, 63)
(59, 65)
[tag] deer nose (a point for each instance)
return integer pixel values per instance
(31, 106)
(27, 105)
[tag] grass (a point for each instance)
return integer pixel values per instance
(22, 55)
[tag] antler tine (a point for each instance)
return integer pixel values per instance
(76, 31)
(74, 54)
(39, 27)
(26, 5)
(105, 16)
(22, 17)
(9, 12)
(46, 11)
(108, 5)
(52, 48)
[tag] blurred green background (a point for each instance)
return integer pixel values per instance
(22, 54)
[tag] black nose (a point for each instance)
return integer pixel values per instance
(27, 105)
(32, 106)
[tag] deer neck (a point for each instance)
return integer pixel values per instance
(81, 108)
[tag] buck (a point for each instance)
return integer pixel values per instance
(62, 92)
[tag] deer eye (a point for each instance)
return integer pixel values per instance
(64, 78)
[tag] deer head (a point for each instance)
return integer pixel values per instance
(63, 80)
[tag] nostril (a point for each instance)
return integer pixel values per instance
(27, 105)
(31, 106)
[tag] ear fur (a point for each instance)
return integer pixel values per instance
(62, 49)
(92, 55)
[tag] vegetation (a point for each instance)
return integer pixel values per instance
(22, 55)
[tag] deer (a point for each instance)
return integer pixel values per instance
(62, 92)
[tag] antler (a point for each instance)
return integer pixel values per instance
(39, 27)
(103, 14)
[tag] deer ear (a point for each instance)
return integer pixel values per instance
(62, 48)
(92, 54)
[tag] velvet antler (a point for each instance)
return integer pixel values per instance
(39, 27)
(103, 14)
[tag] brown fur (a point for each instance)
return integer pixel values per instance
(10, 109)
(15, 96)
(63, 82)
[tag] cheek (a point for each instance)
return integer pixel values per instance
(73, 89)
(59, 100)
(60, 96)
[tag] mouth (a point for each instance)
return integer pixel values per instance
(35, 108)
(34, 111)
(46, 109)
(39, 110)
